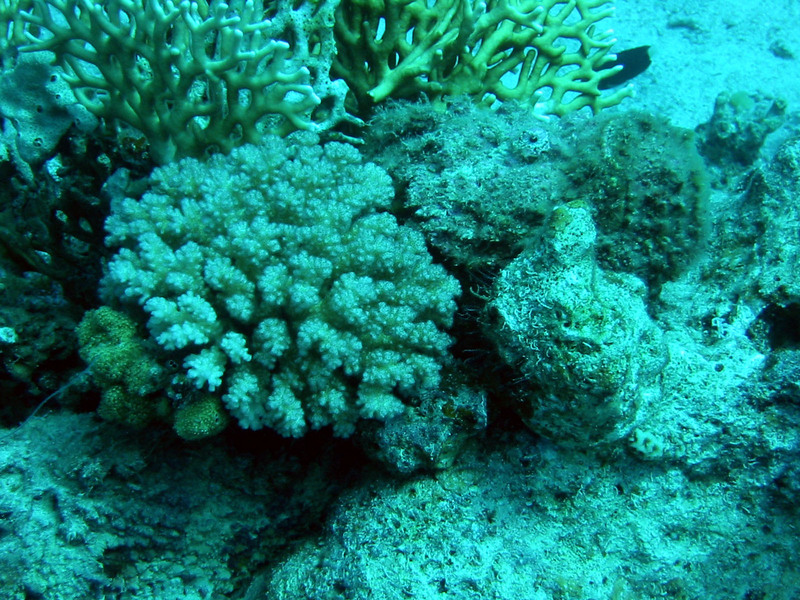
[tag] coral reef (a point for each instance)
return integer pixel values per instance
(204, 76)
(775, 191)
(482, 184)
(611, 410)
(521, 519)
(205, 417)
(51, 248)
(430, 435)
(37, 346)
(38, 107)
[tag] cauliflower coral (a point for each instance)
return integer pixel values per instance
(273, 278)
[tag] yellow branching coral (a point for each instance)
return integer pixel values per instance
(194, 76)
(548, 53)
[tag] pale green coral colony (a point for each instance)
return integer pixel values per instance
(274, 275)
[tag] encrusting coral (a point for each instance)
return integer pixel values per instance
(121, 365)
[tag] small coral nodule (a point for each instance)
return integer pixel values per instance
(201, 418)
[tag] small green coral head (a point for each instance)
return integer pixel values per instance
(201, 418)
(548, 54)
(121, 366)
(107, 341)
